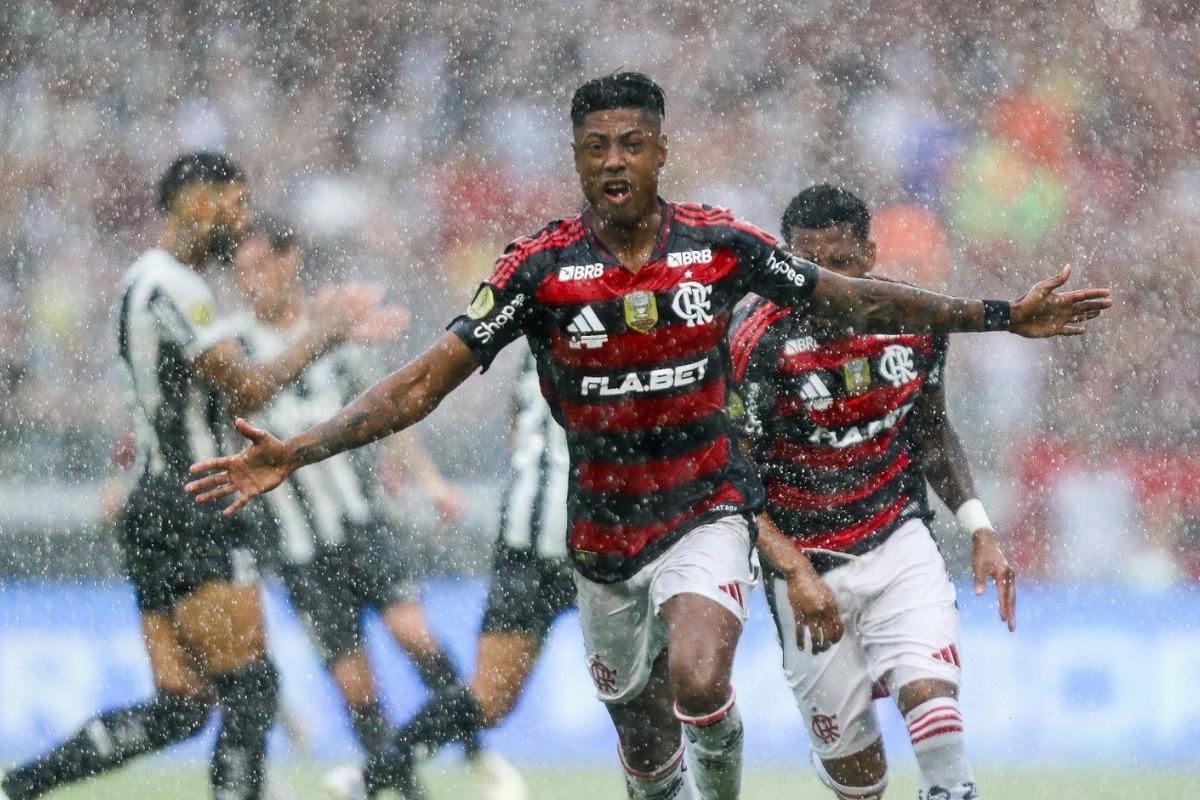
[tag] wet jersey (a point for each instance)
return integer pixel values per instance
(166, 318)
(827, 415)
(635, 368)
(314, 508)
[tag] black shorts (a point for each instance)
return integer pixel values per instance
(333, 591)
(527, 592)
(171, 546)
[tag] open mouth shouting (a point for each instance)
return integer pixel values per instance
(617, 190)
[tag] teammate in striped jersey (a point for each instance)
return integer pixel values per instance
(194, 573)
(531, 585)
(338, 557)
(845, 429)
(661, 502)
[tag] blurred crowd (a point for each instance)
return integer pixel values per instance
(995, 141)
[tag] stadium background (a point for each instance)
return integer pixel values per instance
(995, 141)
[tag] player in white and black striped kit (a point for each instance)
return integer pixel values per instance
(338, 555)
(193, 570)
(531, 584)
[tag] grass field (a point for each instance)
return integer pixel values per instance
(150, 783)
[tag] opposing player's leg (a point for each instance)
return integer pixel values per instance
(910, 633)
(178, 709)
(834, 693)
(221, 624)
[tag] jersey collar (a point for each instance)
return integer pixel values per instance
(666, 212)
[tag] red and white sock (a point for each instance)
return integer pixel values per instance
(936, 730)
(668, 782)
(714, 751)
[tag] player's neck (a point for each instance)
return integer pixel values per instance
(632, 245)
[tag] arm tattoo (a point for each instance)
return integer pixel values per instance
(876, 306)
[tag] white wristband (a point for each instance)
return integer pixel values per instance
(972, 516)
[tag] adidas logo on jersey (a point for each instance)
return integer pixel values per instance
(816, 393)
(580, 272)
(686, 258)
(586, 330)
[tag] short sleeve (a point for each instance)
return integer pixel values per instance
(502, 306)
(753, 352)
(774, 273)
(186, 312)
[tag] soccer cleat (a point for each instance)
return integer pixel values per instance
(496, 777)
(344, 783)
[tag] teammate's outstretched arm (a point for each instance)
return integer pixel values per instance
(944, 462)
(874, 306)
(392, 404)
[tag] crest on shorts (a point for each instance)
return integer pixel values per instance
(641, 311)
(484, 302)
(857, 375)
(825, 727)
(604, 676)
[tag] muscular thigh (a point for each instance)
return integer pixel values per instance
(170, 664)
(221, 624)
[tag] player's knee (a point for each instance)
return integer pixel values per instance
(352, 674)
(251, 692)
(700, 687)
(914, 692)
(861, 776)
(495, 703)
(181, 716)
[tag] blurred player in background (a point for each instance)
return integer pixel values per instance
(339, 558)
(846, 428)
(626, 306)
(531, 585)
(194, 573)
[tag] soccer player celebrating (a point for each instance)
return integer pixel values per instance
(625, 306)
(845, 428)
(338, 558)
(194, 572)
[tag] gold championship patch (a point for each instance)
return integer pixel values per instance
(202, 314)
(857, 375)
(641, 311)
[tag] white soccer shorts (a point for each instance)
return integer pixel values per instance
(622, 631)
(897, 603)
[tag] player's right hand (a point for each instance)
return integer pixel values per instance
(815, 609)
(1045, 312)
(256, 470)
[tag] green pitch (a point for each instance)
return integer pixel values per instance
(155, 783)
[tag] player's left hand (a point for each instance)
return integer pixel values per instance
(1044, 312)
(988, 561)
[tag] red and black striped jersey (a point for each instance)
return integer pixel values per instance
(635, 368)
(826, 414)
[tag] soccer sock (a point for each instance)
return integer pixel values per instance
(249, 698)
(715, 750)
(372, 728)
(668, 782)
(438, 671)
(936, 730)
(452, 716)
(844, 792)
(108, 741)
(440, 674)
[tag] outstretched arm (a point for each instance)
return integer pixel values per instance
(873, 306)
(392, 404)
(944, 462)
